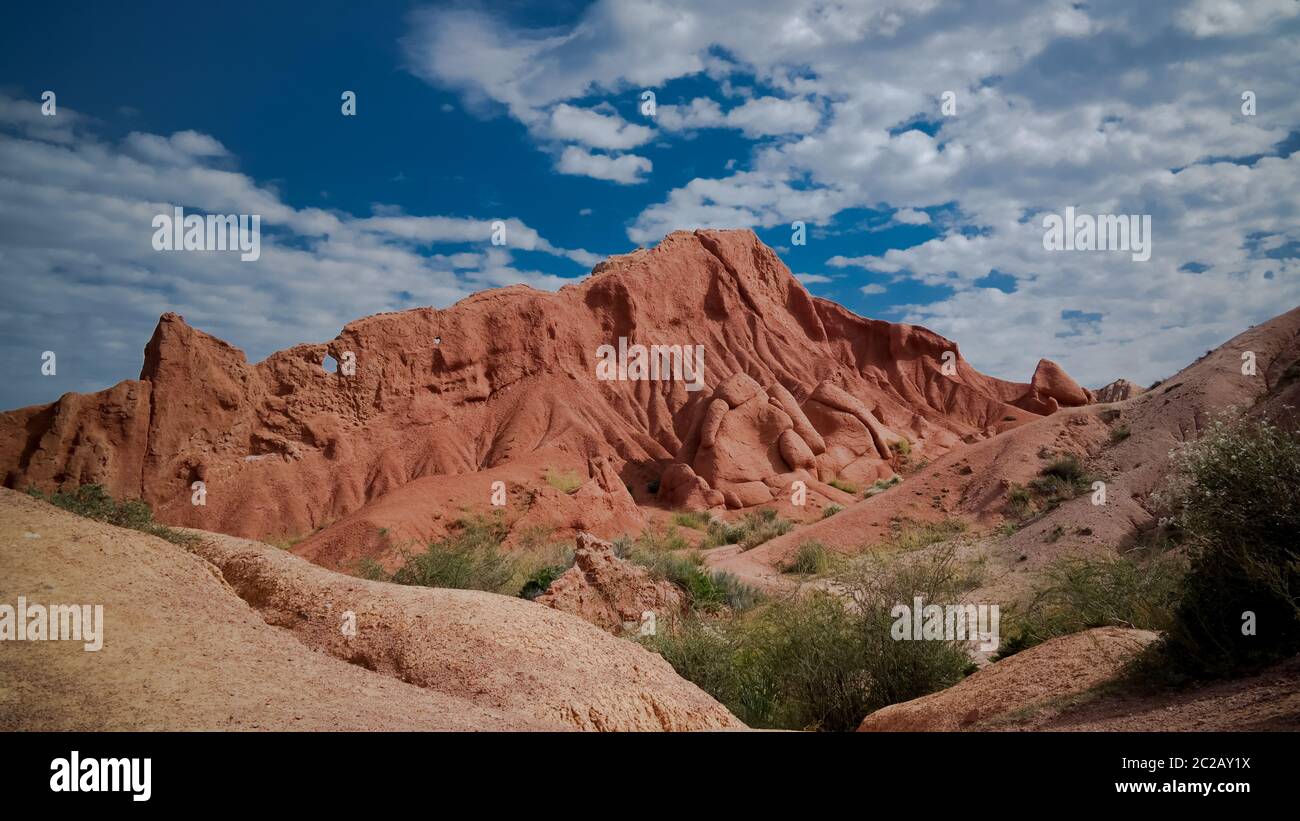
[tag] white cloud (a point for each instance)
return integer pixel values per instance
(812, 279)
(82, 279)
(1211, 18)
(594, 129)
(910, 216)
(758, 117)
(624, 168)
(872, 289)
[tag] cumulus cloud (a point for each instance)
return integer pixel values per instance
(82, 278)
(594, 129)
(758, 117)
(812, 279)
(622, 168)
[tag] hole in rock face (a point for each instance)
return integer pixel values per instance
(331, 365)
(437, 340)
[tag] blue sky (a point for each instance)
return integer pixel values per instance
(768, 113)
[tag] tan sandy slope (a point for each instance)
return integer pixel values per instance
(183, 648)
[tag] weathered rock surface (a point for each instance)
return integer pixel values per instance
(1061, 667)
(610, 593)
(286, 449)
(241, 635)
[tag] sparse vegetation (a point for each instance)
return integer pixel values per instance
(902, 448)
(539, 581)
(565, 481)
(812, 559)
(694, 519)
(906, 536)
(1233, 499)
(810, 662)
(1124, 591)
(752, 530)
(94, 502)
(831, 510)
(881, 485)
(1063, 478)
(1020, 502)
(666, 555)
(1119, 433)
(847, 487)
(469, 559)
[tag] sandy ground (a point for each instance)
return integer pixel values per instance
(183, 651)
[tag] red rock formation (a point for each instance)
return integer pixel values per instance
(1118, 391)
(610, 593)
(284, 447)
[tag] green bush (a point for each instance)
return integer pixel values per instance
(468, 559)
(847, 487)
(1020, 502)
(1078, 594)
(881, 485)
(1119, 434)
(753, 529)
(902, 447)
(694, 519)
(810, 661)
(812, 559)
(93, 502)
(539, 581)
(1233, 499)
(831, 510)
(665, 554)
(907, 536)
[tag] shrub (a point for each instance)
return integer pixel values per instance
(831, 510)
(751, 531)
(902, 447)
(539, 581)
(810, 661)
(847, 487)
(694, 519)
(1079, 594)
(93, 502)
(1119, 434)
(908, 535)
(656, 538)
(469, 559)
(1234, 501)
(881, 485)
(1020, 502)
(565, 481)
(812, 559)
(1065, 467)
(370, 569)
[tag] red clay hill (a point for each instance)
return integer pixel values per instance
(502, 386)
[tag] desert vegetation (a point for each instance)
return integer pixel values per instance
(1232, 502)
(94, 502)
(821, 660)
(471, 558)
(750, 531)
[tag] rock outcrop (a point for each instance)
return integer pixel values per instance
(612, 594)
(234, 634)
(285, 448)
(1118, 391)
(1061, 667)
